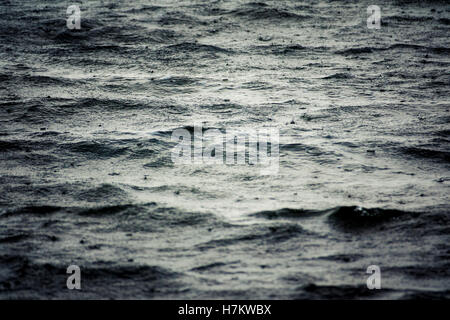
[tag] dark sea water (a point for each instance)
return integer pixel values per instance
(86, 175)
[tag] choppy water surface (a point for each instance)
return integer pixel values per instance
(85, 139)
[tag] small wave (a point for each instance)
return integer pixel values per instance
(161, 162)
(209, 266)
(91, 47)
(443, 133)
(190, 128)
(193, 47)
(136, 272)
(345, 216)
(106, 104)
(95, 149)
(39, 113)
(256, 85)
(355, 217)
(428, 272)
(404, 19)
(144, 9)
(346, 258)
(358, 50)
(291, 49)
(37, 159)
(47, 80)
(104, 192)
(314, 291)
(56, 29)
(223, 107)
(149, 217)
(174, 81)
(108, 210)
(14, 238)
(300, 148)
(34, 274)
(397, 46)
(33, 210)
(7, 146)
(45, 134)
(438, 50)
(174, 84)
(179, 18)
(257, 12)
(163, 35)
(339, 75)
(277, 49)
(268, 235)
(288, 213)
(426, 153)
(70, 36)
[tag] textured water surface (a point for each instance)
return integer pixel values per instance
(86, 175)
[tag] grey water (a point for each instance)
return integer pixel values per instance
(87, 179)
